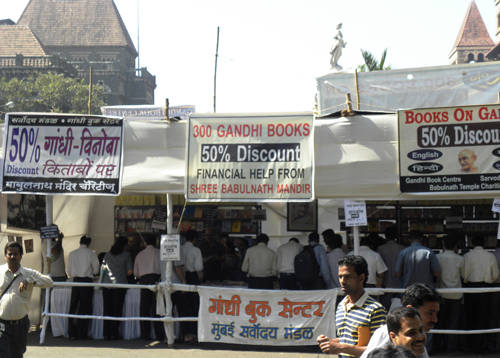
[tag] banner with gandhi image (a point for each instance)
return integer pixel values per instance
(242, 316)
(449, 149)
(47, 153)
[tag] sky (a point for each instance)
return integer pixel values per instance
(271, 51)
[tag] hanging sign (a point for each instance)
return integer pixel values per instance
(250, 158)
(355, 213)
(170, 247)
(47, 153)
(449, 149)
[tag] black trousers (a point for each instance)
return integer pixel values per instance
(82, 296)
(288, 282)
(148, 308)
(263, 283)
(14, 337)
(113, 299)
(477, 310)
(319, 284)
(193, 306)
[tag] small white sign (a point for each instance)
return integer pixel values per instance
(170, 247)
(259, 215)
(454, 222)
(355, 213)
(496, 206)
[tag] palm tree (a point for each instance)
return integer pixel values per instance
(371, 63)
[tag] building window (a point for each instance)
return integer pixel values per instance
(470, 57)
(480, 57)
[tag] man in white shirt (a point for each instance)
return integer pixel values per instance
(260, 263)
(376, 266)
(334, 244)
(193, 266)
(452, 270)
(422, 297)
(147, 270)
(83, 265)
(480, 270)
(285, 256)
(389, 253)
(17, 284)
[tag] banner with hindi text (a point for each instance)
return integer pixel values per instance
(243, 316)
(50, 154)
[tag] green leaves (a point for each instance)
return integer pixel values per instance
(50, 93)
(371, 63)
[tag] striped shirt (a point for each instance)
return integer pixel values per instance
(365, 312)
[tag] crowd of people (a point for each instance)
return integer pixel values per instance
(388, 265)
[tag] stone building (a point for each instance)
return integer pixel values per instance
(23, 55)
(473, 41)
(91, 33)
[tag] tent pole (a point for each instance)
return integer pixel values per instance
(355, 230)
(49, 217)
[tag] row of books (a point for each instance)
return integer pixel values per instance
(134, 213)
(140, 200)
(199, 212)
(227, 226)
(134, 226)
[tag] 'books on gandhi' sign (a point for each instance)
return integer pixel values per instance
(449, 149)
(355, 213)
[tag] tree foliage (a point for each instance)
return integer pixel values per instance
(371, 63)
(50, 93)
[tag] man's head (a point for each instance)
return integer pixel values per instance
(406, 329)
(353, 273)
(294, 239)
(426, 300)
(391, 351)
(478, 240)
(303, 209)
(450, 243)
(136, 242)
(191, 235)
(391, 233)
(415, 236)
(13, 255)
(262, 238)
(336, 242)
(150, 240)
(210, 235)
(328, 234)
(314, 237)
(366, 241)
(85, 240)
(241, 244)
(466, 159)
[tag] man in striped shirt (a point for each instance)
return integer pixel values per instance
(358, 315)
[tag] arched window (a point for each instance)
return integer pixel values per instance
(470, 57)
(480, 57)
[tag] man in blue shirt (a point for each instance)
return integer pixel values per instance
(416, 263)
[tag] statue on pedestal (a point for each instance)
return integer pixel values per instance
(336, 51)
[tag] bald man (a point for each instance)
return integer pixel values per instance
(466, 158)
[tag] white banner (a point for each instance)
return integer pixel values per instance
(250, 158)
(148, 112)
(258, 317)
(47, 153)
(449, 149)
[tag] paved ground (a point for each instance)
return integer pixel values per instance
(61, 347)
